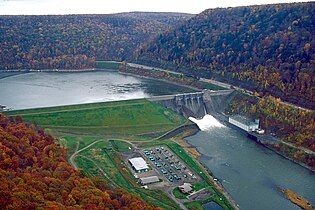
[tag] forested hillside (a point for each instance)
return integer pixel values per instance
(76, 41)
(170, 19)
(293, 126)
(35, 175)
(269, 49)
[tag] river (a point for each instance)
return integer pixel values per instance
(250, 172)
(247, 170)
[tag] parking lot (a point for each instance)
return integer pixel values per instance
(168, 165)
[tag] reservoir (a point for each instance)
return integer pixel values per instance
(248, 171)
(42, 89)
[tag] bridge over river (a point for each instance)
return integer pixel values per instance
(196, 104)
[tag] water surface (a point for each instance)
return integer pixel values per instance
(249, 171)
(55, 88)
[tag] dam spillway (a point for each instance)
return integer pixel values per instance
(196, 104)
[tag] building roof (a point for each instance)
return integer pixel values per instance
(150, 179)
(138, 163)
(185, 188)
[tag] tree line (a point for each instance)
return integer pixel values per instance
(291, 125)
(76, 41)
(34, 174)
(267, 48)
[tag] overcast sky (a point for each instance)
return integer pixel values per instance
(39, 7)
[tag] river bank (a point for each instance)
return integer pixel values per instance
(296, 199)
(48, 70)
(196, 154)
(180, 79)
(224, 119)
(271, 147)
(10, 73)
(85, 86)
(162, 80)
(248, 171)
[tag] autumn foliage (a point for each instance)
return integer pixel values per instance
(76, 41)
(292, 125)
(266, 48)
(35, 175)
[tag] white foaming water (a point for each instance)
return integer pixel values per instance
(207, 122)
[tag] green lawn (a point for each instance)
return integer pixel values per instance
(107, 64)
(201, 185)
(110, 123)
(178, 150)
(217, 197)
(178, 194)
(120, 146)
(116, 173)
(211, 86)
(122, 117)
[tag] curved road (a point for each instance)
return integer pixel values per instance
(71, 159)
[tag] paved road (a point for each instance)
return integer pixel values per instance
(267, 138)
(76, 153)
(226, 85)
(222, 84)
(71, 159)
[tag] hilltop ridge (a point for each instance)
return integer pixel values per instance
(76, 41)
(268, 49)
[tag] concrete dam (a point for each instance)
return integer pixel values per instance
(196, 104)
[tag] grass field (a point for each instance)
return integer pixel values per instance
(123, 117)
(96, 159)
(97, 133)
(107, 64)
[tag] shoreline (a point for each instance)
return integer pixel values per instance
(266, 145)
(220, 117)
(161, 80)
(193, 151)
(288, 158)
(171, 82)
(217, 183)
(22, 71)
(47, 70)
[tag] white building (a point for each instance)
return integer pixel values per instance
(244, 123)
(149, 180)
(185, 188)
(139, 164)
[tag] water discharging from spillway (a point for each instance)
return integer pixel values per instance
(207, 122)
(249, 172)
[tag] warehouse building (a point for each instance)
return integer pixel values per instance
(139, 164)
(244, 123)
(149, 180)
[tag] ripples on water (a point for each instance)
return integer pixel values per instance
(247, 170)
(53, 89)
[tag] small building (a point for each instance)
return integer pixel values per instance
(139, 164)
(244, 123)
(185, 188)
(149, 180)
